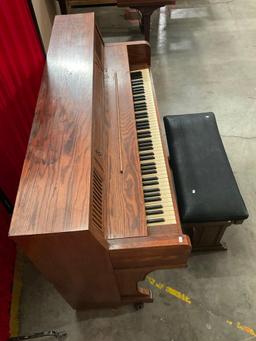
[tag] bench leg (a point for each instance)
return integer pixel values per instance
(207, 236)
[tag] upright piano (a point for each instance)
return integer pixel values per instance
(96, 208)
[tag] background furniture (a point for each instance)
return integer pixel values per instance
(145, 8)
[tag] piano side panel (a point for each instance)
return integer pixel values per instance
(77, 265)
(125, 211)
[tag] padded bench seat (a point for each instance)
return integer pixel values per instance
(208, 197)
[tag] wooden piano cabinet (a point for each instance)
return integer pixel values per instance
(80, 212)
(77, 265)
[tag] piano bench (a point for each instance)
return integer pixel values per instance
(208, 197)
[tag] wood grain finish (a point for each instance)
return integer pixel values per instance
(79, 213)
(54, 190)
(139, 53)
(125, 199)
(77, 265)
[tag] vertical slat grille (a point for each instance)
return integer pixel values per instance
(97, 194)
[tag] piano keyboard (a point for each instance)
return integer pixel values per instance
(157, 194)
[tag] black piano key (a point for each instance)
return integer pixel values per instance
(145, 148)
(154, 212)
(152, 178)
(147, 154)
(153, 207)
(136, 75)
(143, 121)
(138, 92)
(138, 98)
(152, 195)
(138, 88)
(146, 145)
(146, 132)
(148, 164)
(141, 103)
(143, 134)
(141, 124)
(151, 190)
(142, 158)
(152, 199)
(150, 183)
(143, 127)
(136, 82)
(141, 113)
(140, 107)
(156, 220)
(144, 168)
(139, 117)
(149, 171)
(145, 142)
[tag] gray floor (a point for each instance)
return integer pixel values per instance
(203, 59)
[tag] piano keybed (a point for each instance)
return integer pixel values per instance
(156, 188)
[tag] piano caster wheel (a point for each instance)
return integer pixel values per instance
(138, 306)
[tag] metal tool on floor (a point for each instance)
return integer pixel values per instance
(59, 335)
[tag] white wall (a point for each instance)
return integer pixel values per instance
(45, 11)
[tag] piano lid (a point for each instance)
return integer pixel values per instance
(54, 189)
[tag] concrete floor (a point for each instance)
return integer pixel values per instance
(203, 59)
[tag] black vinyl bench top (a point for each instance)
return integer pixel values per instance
(205, 184)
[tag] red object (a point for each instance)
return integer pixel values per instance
(21, 66)
(7, 262)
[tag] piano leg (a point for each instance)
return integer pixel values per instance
(145, 19)
(127, 280)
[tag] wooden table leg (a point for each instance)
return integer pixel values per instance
(145, 19)
(63, 6)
